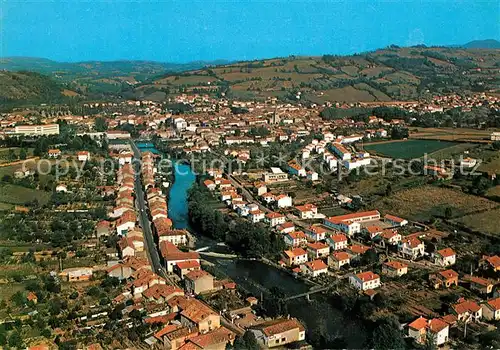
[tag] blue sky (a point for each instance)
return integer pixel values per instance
(182, 31)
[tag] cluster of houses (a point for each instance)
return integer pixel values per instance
(186, 322)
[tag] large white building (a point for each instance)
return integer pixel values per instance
(47, 129)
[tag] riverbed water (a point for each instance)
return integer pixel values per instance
(320, 315)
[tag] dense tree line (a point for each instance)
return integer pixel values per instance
(249, 240)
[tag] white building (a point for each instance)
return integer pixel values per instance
(365, 280)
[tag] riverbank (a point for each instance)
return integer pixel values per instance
(325, 323)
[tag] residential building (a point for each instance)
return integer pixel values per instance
(394, 268)
(199, 281)
(295, 256)
(314, 268)
(274, 219)
(197, 314)
(395, 221)
(296, 169)
(339, 259)
(286, 227)
(337, 241)
(481, 285)
(83, 156)
(184, 267)
(316, 233)
(317, 250)
(437, 327)
(467, 310)
(283, 201)
(279, 332)
(76, 274)
(444, 257)
(256, 216)
(295, 239)
(306, 211)
(491, 309)
(445, 278)
(411, 248)
(176, 237)
(365, 280)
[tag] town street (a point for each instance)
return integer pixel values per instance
(152, 251)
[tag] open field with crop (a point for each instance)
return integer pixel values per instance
(21, 195)
(453, 152)
(484, 222)
(422, 203)
(451, 134)
(408, 149)
(491, 166)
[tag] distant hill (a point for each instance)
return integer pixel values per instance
(99, 76)
(483, 44)
(392, 73)
(20, 88)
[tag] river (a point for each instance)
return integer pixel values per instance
(320, 316)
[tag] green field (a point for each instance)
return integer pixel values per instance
(408, 149)
(21, 195)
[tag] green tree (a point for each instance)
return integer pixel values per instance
(387, 335)
(100, 124)
(448, 213)
(15, 340)
(23, 154)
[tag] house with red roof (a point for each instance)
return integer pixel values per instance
(198, 281)
(395, 221)
(373, 231)
(467, 310)
(316, 233)
(83, 156)
(286, 227)
(351, 223)
(172, 255)
(445, 257)
(306, 211)
(481, 285)
(176, 237)
(338, 259)
(491, 309)
(256, 215)
(198, 315)
(437, 327)
(295, 256)
(394, 268)
(210, 184)
(365, 280)
(390, 237)
(337, 241)
(279, 332)
(314, 268)
(283, 201)
(126, 222)
(411, 247)
(318, 250)
(445, 278)
(295, 239)
(274, 219)
(184, 267)
(490, 262)
(216, 339)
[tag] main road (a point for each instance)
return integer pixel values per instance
(152, 251)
